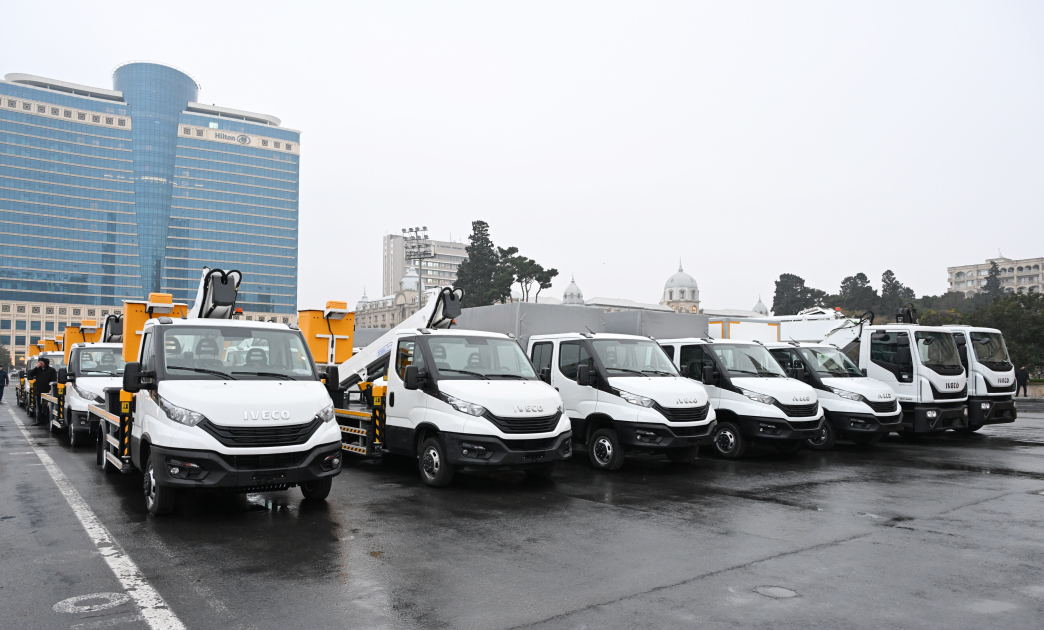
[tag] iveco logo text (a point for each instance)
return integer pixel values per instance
(1003, 380)
(884, 396)
(266, 415)
(802, 398)
(687, 401)
(953, 386)
(528, 408)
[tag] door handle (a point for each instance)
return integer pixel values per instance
(391, 399)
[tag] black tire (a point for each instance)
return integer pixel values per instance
(158, 499)
(544, 471)
(317, 490)
(729, 441)
(75, 437)
(435, 469)
(685, 455)
(824, 440)
(604, 450)
(788, 447)
(873, 438)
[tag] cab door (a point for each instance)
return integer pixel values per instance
(580, 400)
(694, 358)
(405, 408)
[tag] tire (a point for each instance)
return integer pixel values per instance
(824, 440)
(543, 471)
(729, 441)
(685, 455)
(604, 450)
(75, 437)
(317, 490)
(870, 440)
(158, 499)
(788, 447)
(435, 469)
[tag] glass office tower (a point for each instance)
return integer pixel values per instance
(108, 195)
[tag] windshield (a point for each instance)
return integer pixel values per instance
(633, 357)
(478, 358)
(990, 351)
(235, 352)
(937, 348)
(830, 362)
(747, 361)
(98, 362)
(57, 361)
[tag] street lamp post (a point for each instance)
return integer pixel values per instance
(418, 248)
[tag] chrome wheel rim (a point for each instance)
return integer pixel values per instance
(431, 462)
(603, 451)
(726, 441)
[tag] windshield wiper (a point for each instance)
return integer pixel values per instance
(226, 375)
(658, 372)
(625, 370)
(276, 374)
(518, 376)
(483, 376)
(743, 371)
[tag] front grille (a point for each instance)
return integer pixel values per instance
(540, 444)
(799, 411)
(883, 407)
(245, 437)
(260, 462)
(541, 424)
(690, 431)
(999, 389)
(683, 414)
(803, 425)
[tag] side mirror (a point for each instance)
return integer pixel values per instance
(134, 380)
(708, 375)
(683, 370)
(411, 380)
(545, 375)
(64, 377)
(583, 375)
(332, 379)
(903, 357)
(863, 370)
(791, 373)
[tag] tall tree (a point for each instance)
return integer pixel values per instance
(856, 295)
(475, 274)
(792, 296)
(527, 272)
(1020, 317)
(893, 293)
(543, 280)
(5, 357)
(993, 289)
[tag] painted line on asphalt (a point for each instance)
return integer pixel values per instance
(154, 610)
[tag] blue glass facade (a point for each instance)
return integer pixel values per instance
(111, 195)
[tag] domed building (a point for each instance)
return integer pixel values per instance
(681, 293)
(389, 311)
(760, 308)
(573, 295)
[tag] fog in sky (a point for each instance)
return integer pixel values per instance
(609, 139)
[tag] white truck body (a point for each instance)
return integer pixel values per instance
(991, 375)
(93, 368)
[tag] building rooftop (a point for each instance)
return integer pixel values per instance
(228, 112)
(64, 86)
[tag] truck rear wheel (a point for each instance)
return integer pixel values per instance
(729, 441)
(317, 490)
(605, 451)
(685, 455)
(158, 499)
(824, 439)
(435, 469)
(75, 437)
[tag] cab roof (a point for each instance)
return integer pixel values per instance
(210, 323)
(967, 328)
(707, 340)
(576, 335)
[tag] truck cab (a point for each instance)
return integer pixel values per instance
(856, 408)
(92, 368)
(991, 375)
(622, 394)
(922, 366)
(754, 398)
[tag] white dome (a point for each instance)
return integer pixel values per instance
(760, 308)
(411, 280)
(573, 295)
(362, 301)
(681, 286)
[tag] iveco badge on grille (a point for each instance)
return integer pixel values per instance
(687, 401)
(528, 408)
(266, 415)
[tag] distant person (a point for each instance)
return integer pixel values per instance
(44, 375)
(1021, 381)
(4, 381)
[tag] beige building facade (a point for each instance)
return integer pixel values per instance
(440, 271)
(1016, 276)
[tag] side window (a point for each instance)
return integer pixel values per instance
(542, 356)
(570, 355)
(407, 354)
(694, 360)
(884, 346)
(669, 350)
(148, 357)
(852, 351)
(785, 358)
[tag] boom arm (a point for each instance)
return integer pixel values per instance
(216, 295)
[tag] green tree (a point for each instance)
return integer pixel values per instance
(5, 356)
(893, 293)
(1020, 317)
(476, 273)
(527, 272)
(792, 296)
(993, 289)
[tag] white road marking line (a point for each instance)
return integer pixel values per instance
(153, 609)
(106, 623)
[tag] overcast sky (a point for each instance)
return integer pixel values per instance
(609, 139)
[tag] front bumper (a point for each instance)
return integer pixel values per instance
(244, 473)
(863, 423)
(773, 429)
(653, 437)
(505, 454)
(1000, 409)
(947, 416)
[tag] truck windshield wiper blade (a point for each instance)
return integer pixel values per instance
(658, 372)
(464, 372)
(226, 375)
(626, 370)
(518, 376)
(276, 374)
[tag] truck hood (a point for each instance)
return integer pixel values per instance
(786, 390)
(675, 392)
(249, 403)
(504, 398)
(872, 390)
(98, 384)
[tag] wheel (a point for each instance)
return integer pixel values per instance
(824, 439)
(99, 448)
(788, 447)
(544, 471)
(75, 437)
(729, 441)
(317, 490)
(685, 455)
(873, 438)
(605, 450)
(435, 469)
(158, 499)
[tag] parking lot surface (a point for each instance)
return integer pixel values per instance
(939, 532)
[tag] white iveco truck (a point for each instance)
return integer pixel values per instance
(622, 395)
(754, 399)
(991, 375)
(456, 399)
(857, 408)
(196, 413)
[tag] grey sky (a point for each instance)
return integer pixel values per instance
(608, 139)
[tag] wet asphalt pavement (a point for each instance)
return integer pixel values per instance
(944, 532)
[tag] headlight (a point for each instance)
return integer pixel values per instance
(463, 406)
(641, 401)
(179, 414)
(761, 398)
(848, 395)
(326, 414)
(86, 395)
